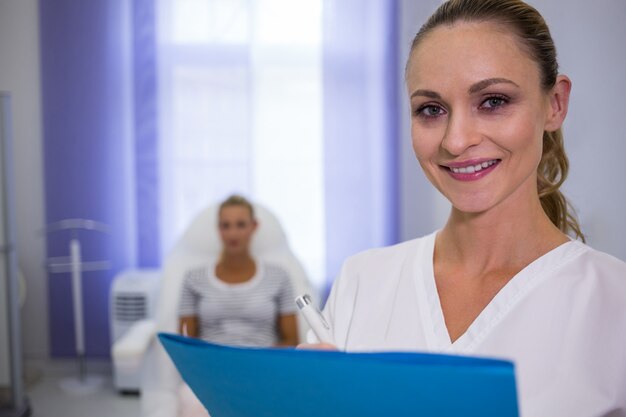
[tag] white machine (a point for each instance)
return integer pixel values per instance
(133, 299)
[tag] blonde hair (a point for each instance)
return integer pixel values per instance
(237, 200)
(535, 39)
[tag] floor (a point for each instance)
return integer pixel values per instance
(49, 399)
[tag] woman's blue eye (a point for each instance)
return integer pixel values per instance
(494, 102)
(429, 111)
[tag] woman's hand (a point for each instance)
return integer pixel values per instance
(288, 330)
(316, 346)
(188, 326)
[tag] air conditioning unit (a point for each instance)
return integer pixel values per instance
(133, 300)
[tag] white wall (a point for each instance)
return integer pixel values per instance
(19, 74)
(590, 38)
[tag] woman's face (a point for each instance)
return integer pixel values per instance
(236, 227)
(478, 115)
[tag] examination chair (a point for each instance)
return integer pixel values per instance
(199, 243)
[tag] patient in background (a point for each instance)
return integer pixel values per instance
(236, 299)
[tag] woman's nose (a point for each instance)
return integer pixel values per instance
(461, 134)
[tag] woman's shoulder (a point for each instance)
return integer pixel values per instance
(593, 278)
(200, 272)
(598, 265)
(272, 272)
(392, 255)
(384, 266)
(270, 268)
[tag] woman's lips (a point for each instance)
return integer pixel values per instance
(471, 170)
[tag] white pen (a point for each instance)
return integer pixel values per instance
(314, 317)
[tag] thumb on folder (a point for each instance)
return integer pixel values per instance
(316, 346)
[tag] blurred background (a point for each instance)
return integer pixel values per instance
(138, 114)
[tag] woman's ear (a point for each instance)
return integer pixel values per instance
(558, 103)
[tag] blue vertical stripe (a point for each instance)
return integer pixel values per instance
(360, 127)
(146, 133)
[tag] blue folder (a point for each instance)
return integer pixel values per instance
(274, 382)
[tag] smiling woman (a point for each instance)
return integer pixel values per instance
(502, 277)
(537, 45)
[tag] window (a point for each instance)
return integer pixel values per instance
(240, 102)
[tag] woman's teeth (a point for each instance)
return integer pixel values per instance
(473, 168)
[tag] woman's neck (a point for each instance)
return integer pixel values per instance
(235, 268)
(509, 236)
(236, 261)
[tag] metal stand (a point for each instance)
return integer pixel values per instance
(82, 384)
(17, 405)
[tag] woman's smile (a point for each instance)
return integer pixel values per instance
(471, 170)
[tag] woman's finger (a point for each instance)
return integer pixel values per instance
(316, 346)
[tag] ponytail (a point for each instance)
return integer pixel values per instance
(551, 174)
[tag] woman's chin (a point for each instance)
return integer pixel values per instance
(233, 251)
(472, 206)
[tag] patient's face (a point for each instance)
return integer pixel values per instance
(236, 227)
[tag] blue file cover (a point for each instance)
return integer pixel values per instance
(275, 382)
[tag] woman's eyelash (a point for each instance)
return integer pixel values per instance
(421, 111)
(494, 101)
(489, 103)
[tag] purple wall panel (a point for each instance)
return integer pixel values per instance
(87, 154)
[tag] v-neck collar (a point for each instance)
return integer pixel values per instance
(436, 332)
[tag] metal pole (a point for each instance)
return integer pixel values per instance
(15, 351)
(77, 296)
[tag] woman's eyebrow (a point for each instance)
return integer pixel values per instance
(474, 88)
(481, 85)
(426, 93)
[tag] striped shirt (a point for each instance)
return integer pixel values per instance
(244, 314)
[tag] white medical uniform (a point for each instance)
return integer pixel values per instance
(562, 320)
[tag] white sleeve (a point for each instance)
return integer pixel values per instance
(340, 305)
